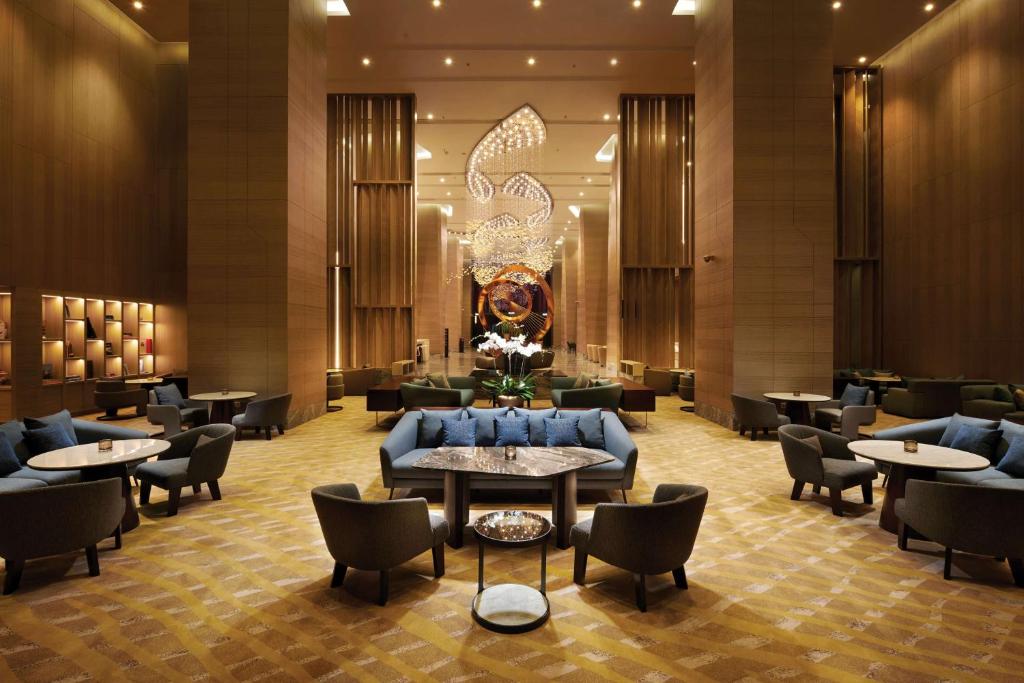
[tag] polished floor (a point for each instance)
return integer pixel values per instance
(239, 589)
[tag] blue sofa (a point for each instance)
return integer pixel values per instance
(931, 431)
(85, 431)
(399, 451)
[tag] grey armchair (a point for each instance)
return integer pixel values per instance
(461, 394)
(652, 538)
(112, 394)
(849, 418)
(52, 520)
(188, 463)
(835, 467)
(967, 518)
(563, 395)
(335, 390)
(755, 414)
(172, 417)
(265, 415)
(662, 381)
(376, 535)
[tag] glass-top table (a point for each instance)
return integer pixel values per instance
(511, 607)
(559, 464)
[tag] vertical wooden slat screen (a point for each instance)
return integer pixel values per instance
(372, 214)
(858, 218)
(655, 224)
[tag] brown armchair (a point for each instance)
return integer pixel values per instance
(755, 414)
(661, 381)
(335, 390)
(113, 394)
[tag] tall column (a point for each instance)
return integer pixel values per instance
(257, 199)
(764, 239)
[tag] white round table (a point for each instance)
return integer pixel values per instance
(221, 402)
(920, 465)
(796, 405)
(113, 464)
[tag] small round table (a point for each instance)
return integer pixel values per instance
(920, 465)
(221, 402)
(113, 464)
(512, 607)
(796, 405)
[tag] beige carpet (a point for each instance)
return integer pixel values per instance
(238, 589)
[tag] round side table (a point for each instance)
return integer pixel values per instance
(512, 607)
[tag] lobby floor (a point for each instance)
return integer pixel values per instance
(239, 589)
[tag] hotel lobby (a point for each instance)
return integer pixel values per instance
(577, 340)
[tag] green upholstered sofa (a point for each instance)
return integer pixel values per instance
(990, 402)
(563, 395)
(461, 394)
(927, 397)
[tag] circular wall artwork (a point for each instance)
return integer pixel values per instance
(510, 297)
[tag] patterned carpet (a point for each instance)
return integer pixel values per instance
(237, 590)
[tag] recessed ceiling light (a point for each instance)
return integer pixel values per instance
(531, 61)
(929, 7)
(637, 3)
(536, 4)
(443, 180)
(862, 59)
(607, 117)
(590, 180)
(448, 61)
(836, 4)
(436, 3)
(137, 5)
(366, 61)
(430, 117)
(614, 61)
(581, 194)
(449, 194)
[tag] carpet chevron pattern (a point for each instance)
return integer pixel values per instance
(238, 590)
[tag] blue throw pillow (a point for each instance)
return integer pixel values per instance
(9, 463)
(63, 418)
(977, 440)
(169, 395)
(46, 439)
(430, 432)
(459, 432)
(1013, 462)
(512, 431)
(958, 421)
(485, 417)
(1011, 431)
(854, 395)
(538, 437)
(562, 432)
(591, 429)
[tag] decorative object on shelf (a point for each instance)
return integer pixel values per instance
(67, 311)
(511, 297)
(148, 345)
(5, 378)
(515, 384)
(71, 350)
(73, 378)
(3, 330)
(90, 331)
(109, 317)
(108, 348)
(47, 370)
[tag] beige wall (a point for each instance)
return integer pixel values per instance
(592, 276)
(452, 292)
(91, 196)
(431, 257)
(953, 209)
(257, 204)
(566, 305)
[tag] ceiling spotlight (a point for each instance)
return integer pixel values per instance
(366, 61)
(695, 62)
(929, 7)
(607, 117)
(531, 61)
(836, 4)
(590, 180)
(443, 180)
(137, 5)
(430, 116)
(862, 60)
(637, 3)
(614, 61)
(436, 3)
(536, 4)
(581, 194)
(448, 194)
(448, 61)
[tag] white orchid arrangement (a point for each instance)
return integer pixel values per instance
(494, 343)
(519, 383)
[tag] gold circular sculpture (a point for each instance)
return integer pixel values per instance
(509, 299)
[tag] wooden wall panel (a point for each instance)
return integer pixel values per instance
(455, 308)
(570, 282)
(431, 227)
(592, 276)
(954, 181)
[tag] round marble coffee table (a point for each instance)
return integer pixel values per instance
(113, 464)
(796, 404)
(920, 465)
(221, 402)
(511, 607)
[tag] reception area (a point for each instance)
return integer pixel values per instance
(574, 340)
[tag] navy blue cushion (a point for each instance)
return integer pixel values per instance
(562, 432)
(485, 435)
(591, 429)
(1013, 462)
(431, 429)
(459, 432)
(63, 418)
(977, 440)
(854, 395)
(538, 437)
(9, 463)
(169, 395)
(957, 421)
(512, 430)
(46, 439)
